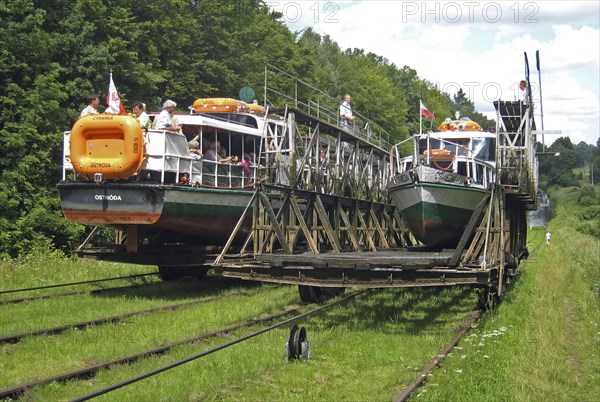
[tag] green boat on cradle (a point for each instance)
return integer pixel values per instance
(150, 186)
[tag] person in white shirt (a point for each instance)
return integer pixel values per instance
(346, 114)
(523, 91)
(92, 107)
(164, 121)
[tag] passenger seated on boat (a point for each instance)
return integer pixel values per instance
(213, 154)
(195, 151)
(164, 121)
(245, 164)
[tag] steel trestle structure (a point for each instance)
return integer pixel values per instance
(332, 226)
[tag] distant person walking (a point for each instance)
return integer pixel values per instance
(548, 237)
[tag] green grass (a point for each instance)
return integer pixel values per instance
(543, 341)
(78, 348)
(365, 350)
(43, 268)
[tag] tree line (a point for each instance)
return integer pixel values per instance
(53, 53)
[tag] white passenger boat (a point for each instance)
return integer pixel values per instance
(439, 178)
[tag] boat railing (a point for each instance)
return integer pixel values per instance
(67, 165)
(460, 160)
(168, 152)
(281, 88)
(167, 160)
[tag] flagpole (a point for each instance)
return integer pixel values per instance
(420, 118)
(537, 62)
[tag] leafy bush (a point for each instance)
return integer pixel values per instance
(590, 228)
(587, 196)
(590, 217)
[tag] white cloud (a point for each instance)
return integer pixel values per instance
(479, 46)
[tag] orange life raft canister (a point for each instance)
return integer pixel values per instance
(109, 144)
(220, 105)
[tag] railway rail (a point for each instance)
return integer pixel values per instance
(73, 293)
(220, 347)
(104, 320)
(18, 390)
(408, 390)
(75, 283)
(463, 330)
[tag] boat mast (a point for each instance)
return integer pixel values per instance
(537, 61)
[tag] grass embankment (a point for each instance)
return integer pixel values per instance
(543, 341)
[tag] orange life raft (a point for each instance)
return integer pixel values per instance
(109, 144)
(256, 109)
(219, 105)
(441, 158)
(460, 125)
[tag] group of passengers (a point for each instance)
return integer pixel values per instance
(216, 152)
(167, 121)
(164, 121)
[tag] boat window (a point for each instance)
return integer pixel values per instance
(458, 147)
(484, 148)
(433, 144)
(243, 119)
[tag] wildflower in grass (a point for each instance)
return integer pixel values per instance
(458, 347)
(486, 357)
(463, 357)
(481, 344)
(459, 371)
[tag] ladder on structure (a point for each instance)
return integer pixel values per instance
(516, 160)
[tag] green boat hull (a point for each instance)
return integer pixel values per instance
(436, 214)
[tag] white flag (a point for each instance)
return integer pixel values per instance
(113, 101)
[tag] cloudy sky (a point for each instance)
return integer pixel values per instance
(479, 46)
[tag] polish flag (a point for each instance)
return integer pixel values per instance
(112, 99)
(425, 112)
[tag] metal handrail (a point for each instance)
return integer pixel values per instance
(320, 105)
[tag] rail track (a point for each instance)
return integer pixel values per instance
(80, 292)
(462, 331)
(14, 338)
(18, 390)
(104, 320)
(74, 292)
(408, 390)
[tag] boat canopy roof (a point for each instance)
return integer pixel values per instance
(241, 123)
(457, 135)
